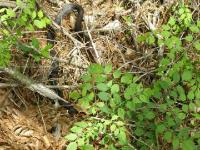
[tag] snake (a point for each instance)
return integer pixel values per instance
(54, 69)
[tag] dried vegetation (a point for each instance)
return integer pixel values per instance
(27, 120)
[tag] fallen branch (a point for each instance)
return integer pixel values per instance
(33, 86)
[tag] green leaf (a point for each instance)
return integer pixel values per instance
(149, 115)
(181, 11)
(102, 87)
(2, 10)
(114, 117)
(81, 124)
(76, 129)
(100, 104)
(47, 20)
(168, 136)
(160, 128)
(139, 131)
(122, 136)
(40, 14)
(25, 48)
(128, 93)
(170, 122)
(105, 109)
(176, 77)
(116, 99)
(84, 103)
(35, 43)
(190, 95)
(164, 84)
(87, 147)
(127, 78)
(103, 96)
(93, 110)
(120, 123)
(86, 77)
(187, 75)
(196, 44)
(39, 24)
(172, 21)
(116, 132)
(45, 51)
(141, 38)
(175, 143)
(131, 105)
(33, 16)
(111, 147)
(11, 13)
(74, 95)
(105, 140)
(189, 38)
(5, 55)
(128, 20)
(166, 27)
(192, 106)
(72, 146)
(151, 40)
(173, 93)
(197, 94)
(185, 108)
(37, 58)
(194, 28)
(108, 68)
(121, 113)
(181, 92)
(95, 69)
(90, 96)
(107, 122)
(188, 145)
(85, 88)
(115, 88)
(113, 127)
(81, 141)
(117, 74)
(136, 100)
(71, 137)
(109, 84)
(165, 34)
(181, 116)
(143, 98)
(99, 78)
(20, 3)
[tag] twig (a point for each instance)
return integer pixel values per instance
(8, 4)
(94, 47)
(43, 121)
(133, 61)
(5, 85)
(139, 140)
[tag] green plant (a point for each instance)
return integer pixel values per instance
(14, 23)
(109, 95)
(174, 116)
(98, 133)
(164, 115)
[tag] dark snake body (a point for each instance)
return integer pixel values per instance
(54, 70)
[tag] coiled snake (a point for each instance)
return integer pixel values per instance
(54, 70)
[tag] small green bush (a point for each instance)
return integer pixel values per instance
(164, 115)
(14, 24)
